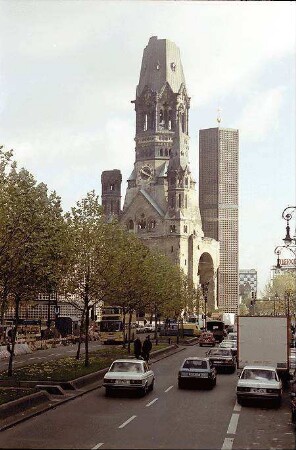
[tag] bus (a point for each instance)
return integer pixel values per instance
(111, 325)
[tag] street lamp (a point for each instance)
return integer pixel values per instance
(275, 299)
(205, 288)
(287, 215)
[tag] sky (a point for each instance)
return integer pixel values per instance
(69, 71)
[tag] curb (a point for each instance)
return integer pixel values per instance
(11, 407)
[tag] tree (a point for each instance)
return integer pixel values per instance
(31, 242)
(281, 293)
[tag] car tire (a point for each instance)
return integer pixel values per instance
(108, 392)
(151, 387)
(239, 401)
(215, 382)
(200, 345)
(278, 402)
(180, 385)
(144, 390)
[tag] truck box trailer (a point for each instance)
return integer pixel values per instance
(263, 340)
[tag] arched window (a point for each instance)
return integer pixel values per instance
(130, 225)
(173, 228)
(180, 201)
(166, 152)
(145, 127)
(170, 120)
(161, 152)
(183, 122)
(185, 201)
(161, 120)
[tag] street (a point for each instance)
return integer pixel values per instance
(166, 418)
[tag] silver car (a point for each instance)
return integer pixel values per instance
(197, 371)
(259, 382)
(129, 374)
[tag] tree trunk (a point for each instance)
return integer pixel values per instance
(80, 334)
(155, 325)
(87, 309)
(123, 327)
(86, 337)
(11, 347)
(129, 332)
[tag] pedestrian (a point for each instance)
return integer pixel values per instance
(137, 347)
(146, 348)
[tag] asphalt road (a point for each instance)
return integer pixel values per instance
(167, 418)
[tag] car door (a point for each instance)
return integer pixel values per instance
(148, 374)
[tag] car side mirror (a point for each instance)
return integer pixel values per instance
(238, 373)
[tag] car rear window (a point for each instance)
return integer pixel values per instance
(195, 364)
(220, 352)
(258, 374)
(126, 367)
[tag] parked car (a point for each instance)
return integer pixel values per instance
(229, 344)
(222, 358)
(140, 329)
(197, 371)
(129, 374)
(259, 382)
(232, 336)
(207, 338)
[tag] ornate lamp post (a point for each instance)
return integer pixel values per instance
(205, 288)
(289, 242)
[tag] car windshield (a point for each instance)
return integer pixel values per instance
(126, 367)
(227, 344)
(220, 352)
(258, 374)
(195, 364)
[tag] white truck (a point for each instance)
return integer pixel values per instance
(264, 340)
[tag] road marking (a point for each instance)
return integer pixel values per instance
(237, 407)
(153, 401)
(168, 389)
(233, 424)
(98, 446)
(32, 358)
(227, 444)
(128, 421)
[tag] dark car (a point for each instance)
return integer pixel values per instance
(197, 371)
(229, 344)
(222, 358)
(206, 338)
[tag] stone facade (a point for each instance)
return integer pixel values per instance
(161, 203)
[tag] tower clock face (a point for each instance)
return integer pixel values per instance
(145, 172)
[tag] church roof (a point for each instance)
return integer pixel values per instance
(152, 202)
(161, 63)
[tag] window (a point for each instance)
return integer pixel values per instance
(173, 228)
(145, 128)
(112, 187)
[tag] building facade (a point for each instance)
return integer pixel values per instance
(218, 201)
(248, 282)
(161, 202)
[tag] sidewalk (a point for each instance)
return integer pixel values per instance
(23, 409)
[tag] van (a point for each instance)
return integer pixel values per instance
(191, 329)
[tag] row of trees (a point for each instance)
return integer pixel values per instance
(79, 254)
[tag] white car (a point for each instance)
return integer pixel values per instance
(129, 374)
(259, 382)
(232, 337)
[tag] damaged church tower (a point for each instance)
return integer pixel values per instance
(161, 203)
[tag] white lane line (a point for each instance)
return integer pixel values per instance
(153, 401)
(98, 446)
(126, 422)
(32, 358)
(237, 407)
(169, 388)
(227, 444)
(233, 424)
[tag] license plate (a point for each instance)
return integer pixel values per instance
(256, 390)
(217, 362)
(122, 382)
